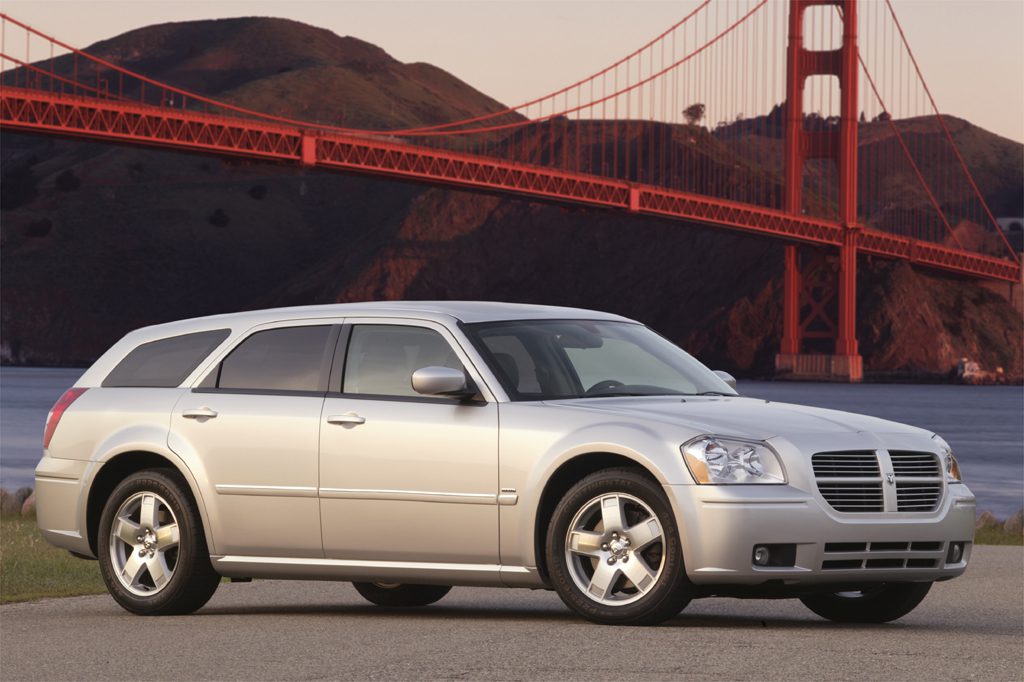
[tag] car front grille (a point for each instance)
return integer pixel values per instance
(852, 481)
(851, 556)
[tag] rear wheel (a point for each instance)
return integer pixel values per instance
(613, 550)
(878, 604)
(151, 547)
(400, 594)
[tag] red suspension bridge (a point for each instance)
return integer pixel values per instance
(814, 103)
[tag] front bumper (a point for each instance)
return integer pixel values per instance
(720, 526)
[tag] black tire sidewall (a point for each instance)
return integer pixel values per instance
(893, 601)
(666, 599)
(403, 595)
(192, 573)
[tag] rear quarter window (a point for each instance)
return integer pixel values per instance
(164, 363)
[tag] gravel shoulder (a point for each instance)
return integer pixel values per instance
(968, 628)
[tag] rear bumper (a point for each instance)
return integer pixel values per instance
(61, 503)
(721, 525)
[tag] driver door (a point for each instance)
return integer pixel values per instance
(406, 477)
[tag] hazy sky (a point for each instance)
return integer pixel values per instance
(971, 51)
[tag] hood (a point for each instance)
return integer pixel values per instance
(742, 417)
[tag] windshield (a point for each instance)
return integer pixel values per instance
(557, 359)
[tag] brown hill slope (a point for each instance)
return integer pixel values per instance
(285, 67)
(96, 240)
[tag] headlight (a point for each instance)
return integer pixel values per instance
(716, 460)
(949, 462)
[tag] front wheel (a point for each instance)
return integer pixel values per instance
(878, 604)
(400, 594)
(151, 547)
(613, 550)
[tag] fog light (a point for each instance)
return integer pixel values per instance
(956, 553)
(761, 555)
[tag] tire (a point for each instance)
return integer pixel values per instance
(147, 571)
(601, 538)
(395, 594)
(880, 604)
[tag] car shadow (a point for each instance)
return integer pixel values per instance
(434, 612)
(556, 614)
(732, 622)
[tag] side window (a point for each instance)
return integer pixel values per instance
(286, 359)
(382, 358)
(164, 363)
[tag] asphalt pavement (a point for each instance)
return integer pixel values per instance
(968, 628)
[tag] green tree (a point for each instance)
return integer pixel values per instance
(694, 113)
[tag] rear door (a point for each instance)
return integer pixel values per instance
(253, 423)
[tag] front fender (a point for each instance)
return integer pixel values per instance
(537, 441)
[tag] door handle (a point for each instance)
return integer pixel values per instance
(199, 413)
(349, 418)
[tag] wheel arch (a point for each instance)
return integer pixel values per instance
(123, 464)
(562, 479)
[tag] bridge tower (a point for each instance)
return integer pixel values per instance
(805, 295)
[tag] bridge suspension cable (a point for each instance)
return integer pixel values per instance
(899, 105)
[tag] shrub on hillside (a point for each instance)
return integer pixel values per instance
(68, 181)
(219, 218)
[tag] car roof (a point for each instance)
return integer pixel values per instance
(440, 311)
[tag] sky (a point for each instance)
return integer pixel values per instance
(970, 51)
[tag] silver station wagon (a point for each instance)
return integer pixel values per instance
(412, 446)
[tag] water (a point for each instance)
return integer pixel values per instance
(983, 424)
(26, 396)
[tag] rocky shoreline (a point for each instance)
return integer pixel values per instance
(1014, 525)
(21, 502)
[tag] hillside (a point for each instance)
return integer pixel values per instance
(96, 240)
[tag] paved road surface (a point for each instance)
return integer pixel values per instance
(970, 628)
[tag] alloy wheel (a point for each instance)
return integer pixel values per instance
(144, 539)
(614, 549)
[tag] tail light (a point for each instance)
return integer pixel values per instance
(57, 411)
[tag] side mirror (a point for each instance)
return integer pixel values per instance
(727, 378)
(441, 381)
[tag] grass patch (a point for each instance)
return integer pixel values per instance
(997, 536)
(31, 568)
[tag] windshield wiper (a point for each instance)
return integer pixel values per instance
(724, 395)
